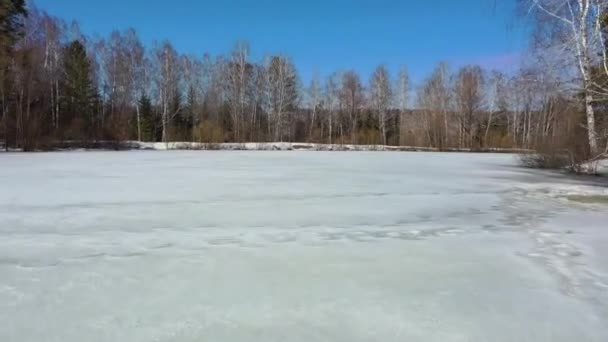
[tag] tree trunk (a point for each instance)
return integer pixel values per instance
(138, 123)
(312, 124)
(165, 128)
(383, 125)
(582, 46)
(485, 139)
(402, 129)
(165, 118)
(19, 126)
(353, 122)
(330, 127)
(591, 133)
(28, 119)
(445, 123)
(4, 116)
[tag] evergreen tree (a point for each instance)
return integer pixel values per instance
(79, 91)
(148, 125)
(189, 113)
(11, 14)
(178, 116)
(11, 22)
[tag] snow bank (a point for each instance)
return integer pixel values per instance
(599, 167)
(287, 146)
(542, 190)
(256, 146)
(602, 166)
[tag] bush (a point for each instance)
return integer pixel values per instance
(546, 160)
(209, 132)
(570, 156)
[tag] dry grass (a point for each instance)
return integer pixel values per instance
(590, 199)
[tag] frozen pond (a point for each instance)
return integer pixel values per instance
(297, 246)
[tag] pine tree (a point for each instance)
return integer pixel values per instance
(11, 15)
(189, 113)
(147, 119)
(79, 91)
(177, 115)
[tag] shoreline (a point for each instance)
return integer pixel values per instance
(254, 146)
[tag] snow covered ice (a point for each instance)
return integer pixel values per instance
(297, 246)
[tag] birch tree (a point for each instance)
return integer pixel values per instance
(402, 101)
(381, 99)
(167, 83)
(257, 95)
(495, 98)
(236, 77)
(331, 98)
(135, 65)
(53, 31)
(582, 40)
(314, 101)
(353, 99)
(435, 99)
(468, 90)
(283, 94)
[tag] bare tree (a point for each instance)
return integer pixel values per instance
(167, 84)
(402, 99)
(283, 93)
(236, 77)
(468, 90)
(381, 98)
(581, 38)
(314, 101)
(54, 30)
(135, 65)
(212, 83)
(435, 99)
(258, 90)
(353, 99)
(496, 99)
(27, 73)
(331, 98)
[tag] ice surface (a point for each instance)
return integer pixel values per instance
(297, 246)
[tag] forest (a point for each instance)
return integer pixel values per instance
(58, 85)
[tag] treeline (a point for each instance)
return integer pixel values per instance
(59, 85)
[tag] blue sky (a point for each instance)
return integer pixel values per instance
(320, 36)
